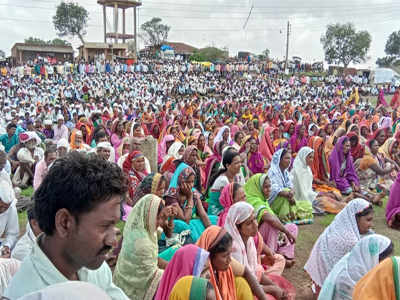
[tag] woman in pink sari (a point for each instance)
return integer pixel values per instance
(242, 225)
(188, 260)
(118, 133)
(266, 144)
(393, 206)
(135, 169)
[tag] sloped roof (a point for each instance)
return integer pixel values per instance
(181, 48)
(44, 48)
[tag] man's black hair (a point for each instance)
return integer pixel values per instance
(78, 183)
(11, 125)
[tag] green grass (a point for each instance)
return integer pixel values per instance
(23, 219)
(27, 192)
(120, 225)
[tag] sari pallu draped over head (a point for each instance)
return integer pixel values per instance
(382, 282)
(134, 176)
(148, 185)
(266, 146)
(353, 266)
(137, 272)
(225, 288)
(279, 179)
(341, 167)
(393, 205)
(189, 288)
(226, 201)
(245, 254)
(215, 158)
(320, 167)
(188, 260)
(336, 240)
(254, 194)
(302, 177)
(295, 141)
(358, 150)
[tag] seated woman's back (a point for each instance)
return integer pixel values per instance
(365, 255)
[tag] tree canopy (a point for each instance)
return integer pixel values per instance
(344, 45)
(154, 32)
(264, 54)
(208, 54)
(393, 44)
(71, 20)
(38, 41)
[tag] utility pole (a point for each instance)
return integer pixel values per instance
(287, 44)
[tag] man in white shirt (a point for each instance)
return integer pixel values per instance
(60, 130)
(9, 226)
(77, 207)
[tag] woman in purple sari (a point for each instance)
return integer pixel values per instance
(393, 206)
(342, 170)
(298, 139)
(255, 160)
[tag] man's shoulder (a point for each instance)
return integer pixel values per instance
(25, 281)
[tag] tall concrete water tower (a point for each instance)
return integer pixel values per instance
(118, 5)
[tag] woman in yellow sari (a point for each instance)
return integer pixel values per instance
(330, 143)
(192, 288)
(382, 282)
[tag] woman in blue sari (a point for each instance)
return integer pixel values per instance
(191, 214)
(281, 198)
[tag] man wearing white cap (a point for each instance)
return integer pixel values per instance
(60, 130)
(103, 150)
(62, 148)
(28, 156)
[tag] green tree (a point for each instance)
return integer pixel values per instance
(386, 61)
(344, 45)
(71, 20)
(393, 44)
(59, 42)
(209, 54)
(35, 41)
(264, 54)
(154, 32)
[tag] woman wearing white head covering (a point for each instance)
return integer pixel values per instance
(302, 179)
(9, 226)
(339, 238)
(220, 136)
(77, 290)
(366, 254)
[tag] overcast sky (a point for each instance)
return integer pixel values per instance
(221, 23)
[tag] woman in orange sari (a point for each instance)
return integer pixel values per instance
(382, 282)
(320, 170)
(230, 279)
(330, 143)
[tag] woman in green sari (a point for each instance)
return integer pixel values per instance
(278, 237)
(281, 198)
(138, 270)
